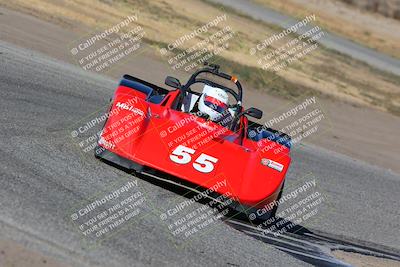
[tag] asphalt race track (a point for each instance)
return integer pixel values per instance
(44, 174)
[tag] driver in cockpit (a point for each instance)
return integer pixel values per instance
(214, 103)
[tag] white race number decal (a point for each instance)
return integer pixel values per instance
(182, 155)
(204, 163)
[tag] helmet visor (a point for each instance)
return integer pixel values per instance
(215, 104)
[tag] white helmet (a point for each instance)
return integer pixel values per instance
(213, 102)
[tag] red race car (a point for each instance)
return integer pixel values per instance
(198, 135)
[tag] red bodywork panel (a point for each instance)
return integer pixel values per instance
(150, 135)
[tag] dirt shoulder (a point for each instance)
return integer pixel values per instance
(12, 254)
(359, 260)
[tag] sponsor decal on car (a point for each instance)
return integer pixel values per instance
(130, 108)
(272, 164)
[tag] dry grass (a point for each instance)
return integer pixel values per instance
(388, 8)
(322, 72)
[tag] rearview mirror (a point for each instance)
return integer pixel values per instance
(173, 82)
(253, 112)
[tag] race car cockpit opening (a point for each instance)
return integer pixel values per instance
(217, 100)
